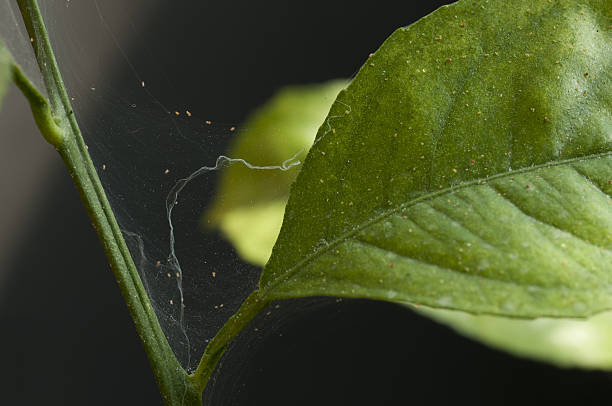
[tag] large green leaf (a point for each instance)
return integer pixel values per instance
(471, 169)
(6, 62)
(565, 342)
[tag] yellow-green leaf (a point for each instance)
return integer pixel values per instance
(247, 200)
(6, 62)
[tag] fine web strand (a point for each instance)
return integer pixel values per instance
(171, 202)
(328, 124)
(131, 65)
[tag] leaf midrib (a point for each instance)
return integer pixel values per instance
(428, 196)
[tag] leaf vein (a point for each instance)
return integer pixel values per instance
(287, 274)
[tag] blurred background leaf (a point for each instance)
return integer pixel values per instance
(249, 204)
(5, 70)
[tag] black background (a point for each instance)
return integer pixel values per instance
(66, 336)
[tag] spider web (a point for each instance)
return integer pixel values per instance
(159, 159)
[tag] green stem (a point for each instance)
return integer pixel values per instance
(253, 304)
(59, 127)
(40, 109)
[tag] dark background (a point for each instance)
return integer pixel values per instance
(66, 336)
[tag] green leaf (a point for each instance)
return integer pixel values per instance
(471, 169)
(564, 342)
(254, 201)
(569, 343)
(6, 62)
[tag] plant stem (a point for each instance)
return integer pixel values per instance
(40, 108)
(253, 304)
(60, 128)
